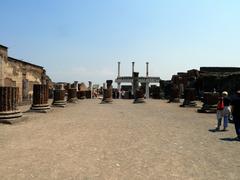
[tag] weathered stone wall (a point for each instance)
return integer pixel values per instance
(14, 72)
(23, 76)
(3, 60)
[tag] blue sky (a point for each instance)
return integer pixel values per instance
(83, 39)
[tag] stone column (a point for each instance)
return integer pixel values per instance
(72, 95)
(8, 104)
(107, 93)
(133, 64)
(90, 87)
(189, 98)
(210, 100)
(40, 98)
(147, 90)
(138, 92)
(147, 82)
(119, 90)
(59, 96)
(174, 94)
(75, 85)
(119, 69)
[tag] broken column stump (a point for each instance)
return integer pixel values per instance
(72, 95)
(174, 94)
(40, 98)
(189, 98)
(210, 100)
(59, 96)
(107, 93)
(8, 104)
(138, 92)
(81, 94)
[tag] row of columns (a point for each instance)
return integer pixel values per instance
(9, 97)
(133, 70)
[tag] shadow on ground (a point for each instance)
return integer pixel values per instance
(230, 139)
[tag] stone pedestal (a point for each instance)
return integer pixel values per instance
(174, 94)
(59, 96)
(107, 93)
(81, 94)
(40, 98)
(189, 98)
(138, 92)
(72, 95)
(8, 104)
(210, 100)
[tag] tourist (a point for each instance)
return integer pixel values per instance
(226, 110)
(220, 107)
(236, 113)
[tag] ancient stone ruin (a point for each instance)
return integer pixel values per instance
(175, 89)
(8, 104)
(40, 98)
(59, 96)
(138, 91)
(82, 89)
(107, 93)
(72, 93)
(210, 100)
(189, 98)
(22, 74)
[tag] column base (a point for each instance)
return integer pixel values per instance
(42, 108)
(107, 101)
(4, 116)
(72, 100)
(208, 109)
(175, 100)
(60, 103)
(139, 100)
(189, 104)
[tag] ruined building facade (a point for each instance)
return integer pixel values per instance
(21, 74)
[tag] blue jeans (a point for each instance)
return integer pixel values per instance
(225, 121)
(237, 125)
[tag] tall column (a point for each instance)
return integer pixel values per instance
(147, 70)
(119, 90)
(119, 84)
(119, 69)
(133, 63)
(90, 87)
(147, 90)
(147, 82)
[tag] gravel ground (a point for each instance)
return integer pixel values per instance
(89, 140)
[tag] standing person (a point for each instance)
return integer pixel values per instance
(236, 113)
(226, 109)
(220, 107)
(220, 112)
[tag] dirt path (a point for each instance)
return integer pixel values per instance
(125, 141)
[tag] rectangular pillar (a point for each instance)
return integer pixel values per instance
(147, 90)
(119, 90)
